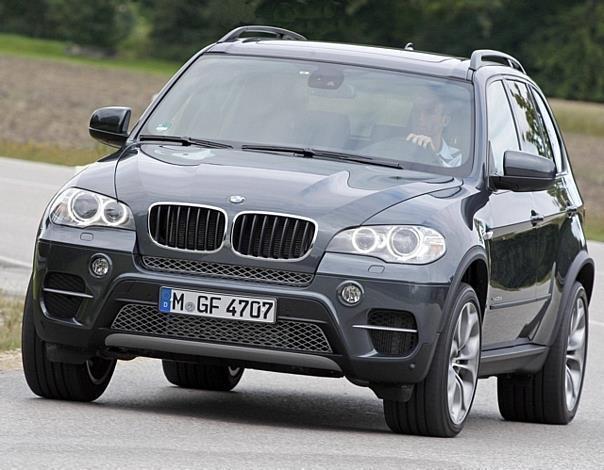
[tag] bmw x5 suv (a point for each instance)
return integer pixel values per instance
(406, 220)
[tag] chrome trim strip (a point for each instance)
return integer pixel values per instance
(385, 328)
(66, 292)
(197, 348)
(516, 303)
(293, 216)
(187, 204)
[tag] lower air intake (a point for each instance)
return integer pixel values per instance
(285, 334)
(63, 305)
(392, 343)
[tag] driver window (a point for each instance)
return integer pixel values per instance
(502, 132)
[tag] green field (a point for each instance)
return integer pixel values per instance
(576, 117)
(46, 49)
(52, 153)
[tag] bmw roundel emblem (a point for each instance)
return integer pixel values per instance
(236, 199)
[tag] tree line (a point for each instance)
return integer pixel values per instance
(559, 42)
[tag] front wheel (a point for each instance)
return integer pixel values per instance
(439, 406)
(57, 380)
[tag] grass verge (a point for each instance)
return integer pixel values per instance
(578, 117)
(594, 229)
(49, 153)
(11, 310)
(47, 49)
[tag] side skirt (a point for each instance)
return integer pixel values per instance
(520, 359)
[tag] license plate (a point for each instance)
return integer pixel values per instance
(215, 305)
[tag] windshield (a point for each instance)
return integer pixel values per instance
(421, 122)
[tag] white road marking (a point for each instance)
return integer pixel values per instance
(597, 323)
(14, 262)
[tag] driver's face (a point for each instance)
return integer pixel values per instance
(429, 117)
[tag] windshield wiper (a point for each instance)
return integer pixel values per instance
(325, 154)
(185, 141)
(353, 157)
(297, 151)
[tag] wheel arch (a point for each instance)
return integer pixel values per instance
(586, 277)
(582, 269)
(473, 270)
(477, 276)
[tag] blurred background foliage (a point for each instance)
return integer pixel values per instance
(560, 42)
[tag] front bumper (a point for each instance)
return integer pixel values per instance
(352, 352)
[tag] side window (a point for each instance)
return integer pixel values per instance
(502, 132)
(528, 119)
(550, 129)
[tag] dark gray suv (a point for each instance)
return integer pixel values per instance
(403, 219)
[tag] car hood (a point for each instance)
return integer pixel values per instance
(336, 195)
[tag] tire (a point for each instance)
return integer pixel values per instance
(542, 397)
(430, 411)
(201, 376)
(57, 380)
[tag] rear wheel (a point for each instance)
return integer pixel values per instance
(552, 395)
(439, 406)
(57, 380)
(201, 376)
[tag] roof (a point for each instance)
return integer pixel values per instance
(371, 56)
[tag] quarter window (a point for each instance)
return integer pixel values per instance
(502, 132)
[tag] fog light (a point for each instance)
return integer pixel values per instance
(350, 293)
(100, 265)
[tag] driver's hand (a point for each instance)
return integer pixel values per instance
(421, 140)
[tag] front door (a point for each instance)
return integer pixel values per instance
(511, 237)
(512, 278)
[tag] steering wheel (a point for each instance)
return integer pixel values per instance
(398, 148)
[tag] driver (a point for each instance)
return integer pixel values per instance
(428, 120)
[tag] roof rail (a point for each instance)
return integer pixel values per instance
(487, 55)
(279, 33)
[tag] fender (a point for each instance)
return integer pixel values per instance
(475, 253)
(581, 260)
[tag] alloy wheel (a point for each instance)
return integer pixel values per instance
(98, 369)
(575, 354)
(463, 363)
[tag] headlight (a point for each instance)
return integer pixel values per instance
(392, 243)
(80, 208)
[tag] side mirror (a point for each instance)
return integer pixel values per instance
(110, 125)
(524, 172)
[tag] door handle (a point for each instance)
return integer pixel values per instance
(536, 218)
(571, 210)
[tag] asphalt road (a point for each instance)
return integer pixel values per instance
(270, 420)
